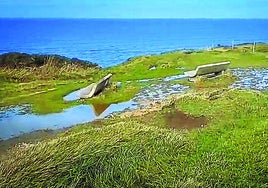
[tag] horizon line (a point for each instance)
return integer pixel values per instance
(126, 18)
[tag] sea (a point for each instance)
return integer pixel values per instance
(110, 42)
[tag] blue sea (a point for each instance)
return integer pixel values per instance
(110, 42)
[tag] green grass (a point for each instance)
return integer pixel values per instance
(230, 152)
(52, 69)
(233, 150)
(49, 77)
(177, 62)
(47, 97)
(44, 87)
(141, 151)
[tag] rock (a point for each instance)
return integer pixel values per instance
(118, 85)
(153, 68)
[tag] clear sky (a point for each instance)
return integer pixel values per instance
(134, 8)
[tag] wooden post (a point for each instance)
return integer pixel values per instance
(253, 47)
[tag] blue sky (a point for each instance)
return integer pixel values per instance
(134, 8)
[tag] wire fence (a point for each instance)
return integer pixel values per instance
(233, 43)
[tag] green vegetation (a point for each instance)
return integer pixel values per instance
(138, 152)
(179, 61)
(138, 149)
(43, 80)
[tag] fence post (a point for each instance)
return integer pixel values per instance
(253, 47)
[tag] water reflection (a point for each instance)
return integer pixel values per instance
(99, 108)
(14, 122)
(17, 120)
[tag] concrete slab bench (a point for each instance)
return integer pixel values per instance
(208, 69)
(95, 88)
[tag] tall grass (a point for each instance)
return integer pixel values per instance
(51, 69)
(121, 155)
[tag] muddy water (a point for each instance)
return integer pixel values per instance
(180, 120)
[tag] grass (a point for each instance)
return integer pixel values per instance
(45, 86)
(177, 62)
(48, 97)
(52, 68)
(230, 152)
(45, 97)
(54, 79)
(233, 150)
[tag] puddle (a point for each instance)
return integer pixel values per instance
(17, 120)
(158, 92)
(72, 96)
(255, 79)
(175, 77)
(99, 108)
(14, 121)
(179, 120)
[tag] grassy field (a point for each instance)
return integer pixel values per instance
(45, 86)
(231, 151)
(140, 150)
(179, 61)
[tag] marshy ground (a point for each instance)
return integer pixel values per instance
(149, 147)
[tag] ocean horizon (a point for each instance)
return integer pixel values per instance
(109, 42)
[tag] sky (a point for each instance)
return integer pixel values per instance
(134, 8)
